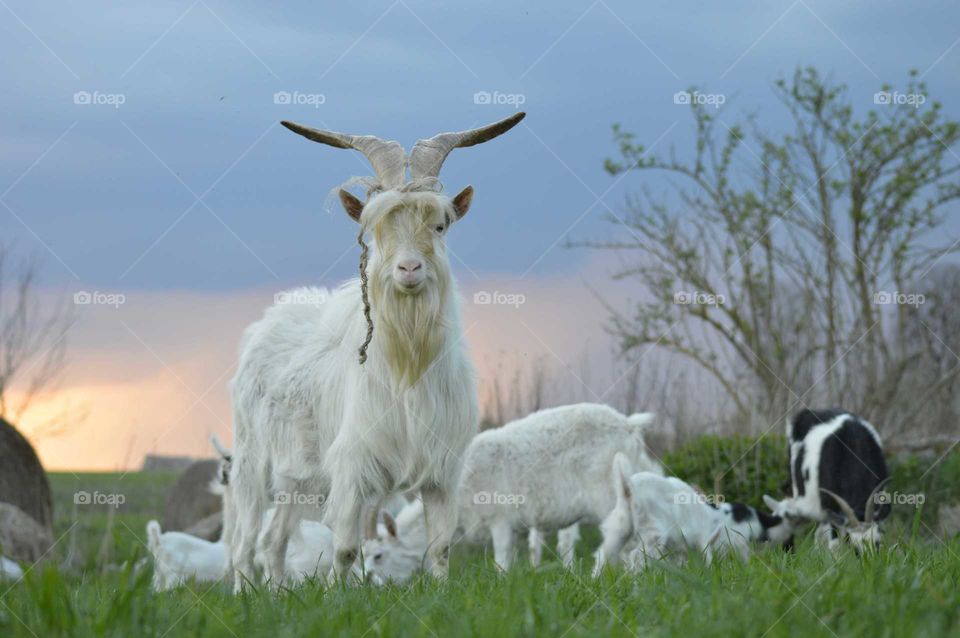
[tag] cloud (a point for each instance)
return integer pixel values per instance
(151, 374)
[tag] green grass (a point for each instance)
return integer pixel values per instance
(82, 527)
(912, 588)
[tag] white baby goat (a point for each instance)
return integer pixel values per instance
(178, 557)
(656, 514)
(547, 471)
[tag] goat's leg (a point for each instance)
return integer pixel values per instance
(502, 534)
(440, 512)
(567, 543)
(228, 533)
(535, 544)
(278, 533)
(616, 531)
(345, 509)
(245, 543)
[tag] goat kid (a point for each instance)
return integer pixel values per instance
(178, 557)
(655, 514)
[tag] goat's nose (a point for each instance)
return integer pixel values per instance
(410, 265)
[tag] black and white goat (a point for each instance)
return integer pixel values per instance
(837, 454)
(656, 514)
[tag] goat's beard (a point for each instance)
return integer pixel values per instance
(411, 326)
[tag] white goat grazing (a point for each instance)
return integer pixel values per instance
(312, 423)
(547, 471)
(655, 514)
(178, 557)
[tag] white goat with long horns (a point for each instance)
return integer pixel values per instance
(314, 426)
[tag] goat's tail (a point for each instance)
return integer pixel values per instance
(641, 420)
(153, 537)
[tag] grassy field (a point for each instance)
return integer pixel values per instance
(913, 588)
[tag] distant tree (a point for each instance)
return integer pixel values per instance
(796, 237)
(33, 338)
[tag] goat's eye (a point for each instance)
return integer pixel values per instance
(439, 229)
(378, 557)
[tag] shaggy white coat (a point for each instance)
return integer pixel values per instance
(310, 420)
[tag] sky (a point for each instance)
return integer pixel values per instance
(142, 157)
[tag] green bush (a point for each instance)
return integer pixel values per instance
(740, 468)
(936, 477)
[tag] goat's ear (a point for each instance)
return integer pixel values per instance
(771, 502)
(351, 204)
(390, 524)
(461, 203)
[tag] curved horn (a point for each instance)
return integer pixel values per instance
(871, 502)
(847, 510)
(387, 158)
(427, 156)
